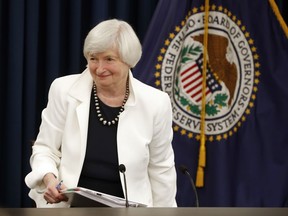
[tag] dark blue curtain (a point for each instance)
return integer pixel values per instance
(39, 41)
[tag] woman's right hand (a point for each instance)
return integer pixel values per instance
(52, 193)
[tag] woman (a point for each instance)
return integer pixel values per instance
(101, 118)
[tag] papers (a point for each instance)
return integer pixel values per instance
(83, 197)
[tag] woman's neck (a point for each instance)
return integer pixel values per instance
(113, 100)
(113, 97)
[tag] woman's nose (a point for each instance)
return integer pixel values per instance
(100, 66)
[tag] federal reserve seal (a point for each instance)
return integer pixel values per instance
(232, 73)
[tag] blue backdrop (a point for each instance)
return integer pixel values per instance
(246, 98)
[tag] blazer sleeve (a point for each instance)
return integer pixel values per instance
(161, 165)
(46, 152)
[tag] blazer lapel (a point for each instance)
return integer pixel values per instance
(81, 91)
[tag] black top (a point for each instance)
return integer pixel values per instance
(100, 170)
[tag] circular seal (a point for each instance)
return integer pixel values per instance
(231, 76)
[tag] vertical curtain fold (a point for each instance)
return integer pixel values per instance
(13, 102)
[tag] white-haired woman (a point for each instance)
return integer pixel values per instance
(101, 118)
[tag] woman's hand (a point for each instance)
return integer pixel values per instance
(52, 193)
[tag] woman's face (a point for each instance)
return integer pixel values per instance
(108, 70)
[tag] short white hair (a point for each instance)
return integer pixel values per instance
(114, 34)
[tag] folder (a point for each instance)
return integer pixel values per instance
(83, 197)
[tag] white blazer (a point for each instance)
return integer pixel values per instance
(143, 140)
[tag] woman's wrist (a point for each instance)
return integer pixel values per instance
(48, 178)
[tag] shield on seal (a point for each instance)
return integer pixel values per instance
(191, 78)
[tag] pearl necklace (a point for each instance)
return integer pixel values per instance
(98, 110)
